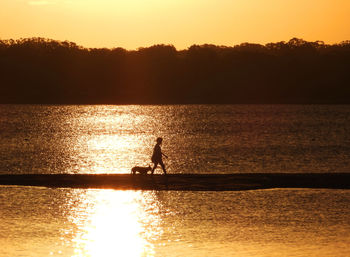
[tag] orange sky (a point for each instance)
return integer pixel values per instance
(136, 23)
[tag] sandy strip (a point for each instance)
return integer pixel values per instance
(182, 182)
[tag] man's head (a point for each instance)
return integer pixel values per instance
(159, 140)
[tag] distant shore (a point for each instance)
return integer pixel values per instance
(183, 182)
(46, 71)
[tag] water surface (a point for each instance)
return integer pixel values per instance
(86, 222)
(197, 138)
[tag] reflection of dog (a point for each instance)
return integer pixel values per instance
(141, 170)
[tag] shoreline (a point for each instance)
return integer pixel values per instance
(183, 182)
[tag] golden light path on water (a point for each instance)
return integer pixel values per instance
(114, 139)
(114, 223)
(105, 145)
(111, 222)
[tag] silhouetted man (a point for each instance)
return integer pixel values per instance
(157, 156)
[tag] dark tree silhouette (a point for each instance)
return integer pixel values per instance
(38, 70)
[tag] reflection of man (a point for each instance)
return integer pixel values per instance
(157, 155)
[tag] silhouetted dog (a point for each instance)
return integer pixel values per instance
(141, 170)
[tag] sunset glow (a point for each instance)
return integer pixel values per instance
(136, 23)
(113, 224)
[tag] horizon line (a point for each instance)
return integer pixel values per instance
(347, 41)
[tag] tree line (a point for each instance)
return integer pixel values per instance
(39, 70)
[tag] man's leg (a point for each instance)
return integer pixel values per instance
(163, 166)
(154, 167)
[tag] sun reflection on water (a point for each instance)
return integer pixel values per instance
(115, 141)
(110, 151)
(114, 223)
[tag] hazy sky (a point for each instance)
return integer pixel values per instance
(135, 23)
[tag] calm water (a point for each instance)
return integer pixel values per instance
(198, 139)
(74, 222)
